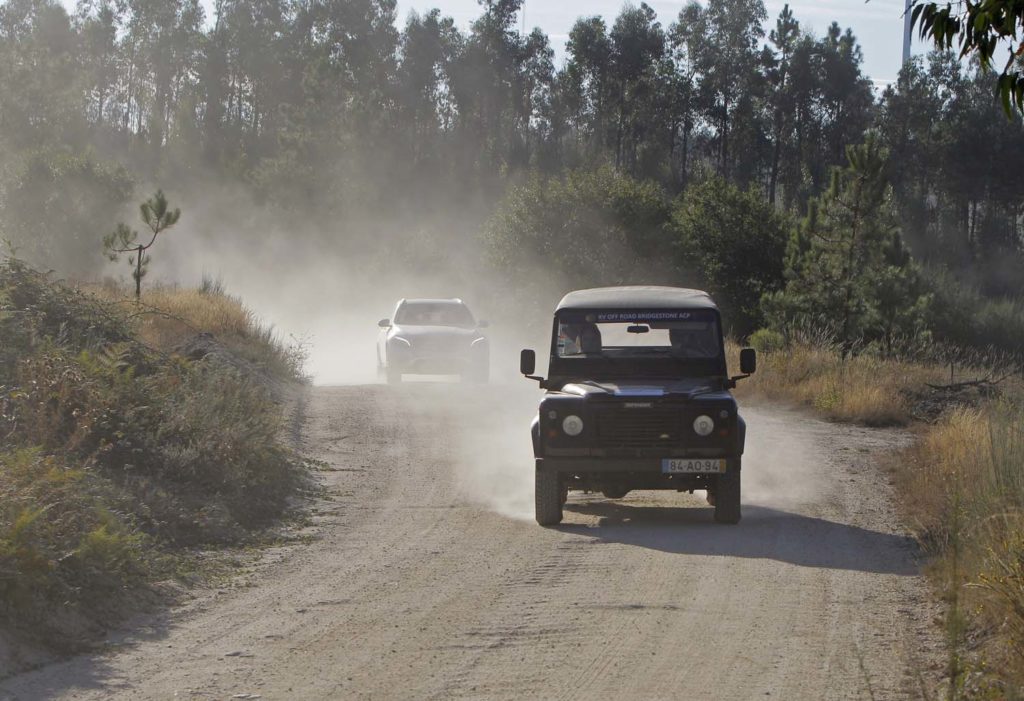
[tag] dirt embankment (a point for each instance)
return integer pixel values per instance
(428, 578)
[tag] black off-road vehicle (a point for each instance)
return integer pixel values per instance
(637, 398)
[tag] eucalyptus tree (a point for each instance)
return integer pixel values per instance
(98, 28)
(783, 39)
(254, 38)
(832, 105)
(727, 33)
(500, 82)
(429, 44)
(41, 88)
(637, 47)
(949, 144)
(682, 85)
(585, 84)
(160, 49)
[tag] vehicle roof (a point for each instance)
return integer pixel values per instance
(426, 300)
(637, 297)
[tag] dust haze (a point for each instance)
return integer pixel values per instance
(327, 286)
(328, 289)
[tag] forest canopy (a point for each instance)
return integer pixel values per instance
(354, 127)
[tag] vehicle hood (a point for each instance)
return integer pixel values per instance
(683, 388)
(414, 333)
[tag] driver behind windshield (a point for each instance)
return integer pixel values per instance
(577, 339)
(692, 342)
(435, 315)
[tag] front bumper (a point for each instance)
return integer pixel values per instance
(434, 365)
(589, 465)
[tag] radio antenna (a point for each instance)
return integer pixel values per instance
(907, 31)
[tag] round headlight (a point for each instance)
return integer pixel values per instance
(572, 425)
(703, 425)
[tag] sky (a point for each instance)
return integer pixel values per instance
(877, 24)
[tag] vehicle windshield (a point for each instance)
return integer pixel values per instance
(663, 339)
(434, 314)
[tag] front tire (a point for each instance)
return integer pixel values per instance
(547, 492)
(727, 498)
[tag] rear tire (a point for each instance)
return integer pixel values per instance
(615, 493)
(547, 492)
(727, 498)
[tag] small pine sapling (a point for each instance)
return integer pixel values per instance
(157, 215)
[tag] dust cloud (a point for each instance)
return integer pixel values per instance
(328, 290)
(782, 466)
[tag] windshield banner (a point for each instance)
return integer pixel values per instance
(630, 316)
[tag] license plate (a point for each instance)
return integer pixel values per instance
(688, 466)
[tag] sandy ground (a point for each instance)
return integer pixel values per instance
(427, 578)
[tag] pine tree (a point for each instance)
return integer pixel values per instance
(848, 271)
(158, 216)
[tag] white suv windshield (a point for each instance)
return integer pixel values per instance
(434, 314)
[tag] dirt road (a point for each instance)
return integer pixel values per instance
(428, 580)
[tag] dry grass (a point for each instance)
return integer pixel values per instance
(862, 389)
(117, 457)
(961, 487)
(966, 479)
(169, 316)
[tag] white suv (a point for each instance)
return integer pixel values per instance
(433, 337)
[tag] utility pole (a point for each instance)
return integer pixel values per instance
(523, 10)
(906, 31)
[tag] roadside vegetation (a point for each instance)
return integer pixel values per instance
(130, 436)
(960, 486)
(870, 245)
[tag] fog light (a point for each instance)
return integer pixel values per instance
(572, 425)
(703, 425)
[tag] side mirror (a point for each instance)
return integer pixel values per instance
(384, 323)
(527, 362)
(748, 361)
(482, 324)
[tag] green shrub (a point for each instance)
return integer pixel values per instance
(58, 544)
(113, 453)
(586, 229)
(736, 241)
(767, 341)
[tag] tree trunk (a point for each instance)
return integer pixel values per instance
(683, 170)
(138, 273)
(725, 138)
(776, 152)
(618, 130)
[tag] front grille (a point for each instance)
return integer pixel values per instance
(438, 345)
(638, 427)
